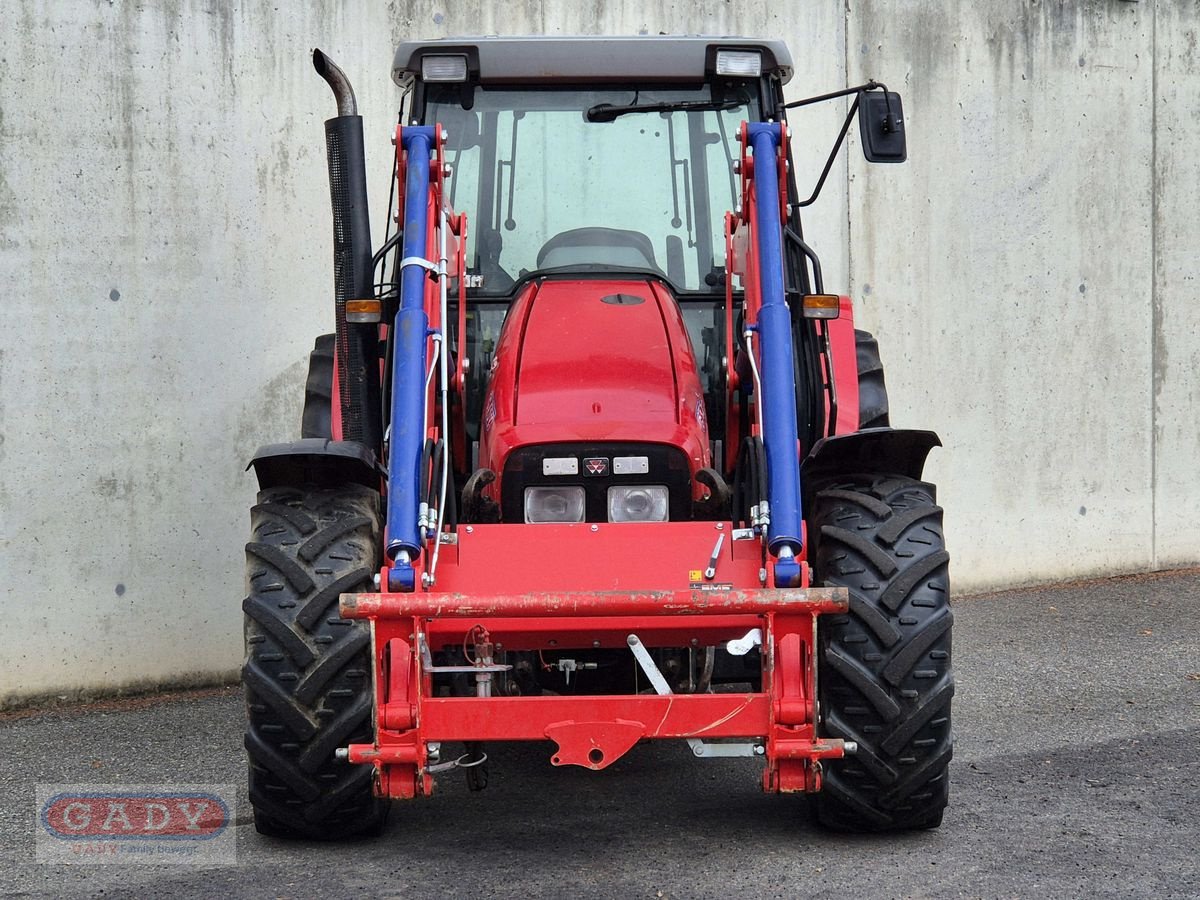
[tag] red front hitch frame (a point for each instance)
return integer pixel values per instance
(777, 723)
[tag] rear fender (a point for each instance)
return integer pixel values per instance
(316, 461)
(873, 451)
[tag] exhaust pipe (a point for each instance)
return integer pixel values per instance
(338, 83)
(353, 276)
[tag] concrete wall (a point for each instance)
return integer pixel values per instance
(164, 245)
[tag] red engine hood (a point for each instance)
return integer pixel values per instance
(588, 361)
(596, 352)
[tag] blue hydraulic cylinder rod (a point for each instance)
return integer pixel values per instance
(778, 403)
(409, 362)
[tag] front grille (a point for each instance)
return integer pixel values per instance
(667, 465)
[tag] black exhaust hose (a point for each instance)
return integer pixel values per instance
(353, 278)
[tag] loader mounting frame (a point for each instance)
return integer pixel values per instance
(776, 723)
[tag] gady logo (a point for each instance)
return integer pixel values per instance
(117, 815)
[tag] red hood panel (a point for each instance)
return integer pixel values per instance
(595, 351)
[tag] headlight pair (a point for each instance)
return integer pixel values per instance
(626, 503)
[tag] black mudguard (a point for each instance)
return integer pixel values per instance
(873, 451)
(316, 461)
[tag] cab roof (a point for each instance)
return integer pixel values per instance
(589, 59)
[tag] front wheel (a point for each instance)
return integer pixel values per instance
(307, 673)
(884, 678)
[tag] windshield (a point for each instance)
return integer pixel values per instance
(546, 189)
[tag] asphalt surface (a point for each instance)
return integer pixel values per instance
(1076, 773)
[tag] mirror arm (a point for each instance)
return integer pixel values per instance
(871, 85)
(832, 155)
(857, 91)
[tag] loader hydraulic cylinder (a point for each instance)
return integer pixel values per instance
(408, 384)
(778, 403)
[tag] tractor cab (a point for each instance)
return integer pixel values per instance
(595, 181)
(617, 158)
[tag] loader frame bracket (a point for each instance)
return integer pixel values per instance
(593, 731)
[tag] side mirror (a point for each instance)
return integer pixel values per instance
(881, 125)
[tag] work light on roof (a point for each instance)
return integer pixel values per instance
(739, 63)
(444, 68)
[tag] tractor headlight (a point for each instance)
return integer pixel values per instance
(553, 504)
(443, 68)
(739, 63)
(637, 503)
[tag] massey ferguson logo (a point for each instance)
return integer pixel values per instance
(595, 465)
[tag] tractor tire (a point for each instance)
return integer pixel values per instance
(872, 392)
(317, 421)
(307, 672)
(883, 669)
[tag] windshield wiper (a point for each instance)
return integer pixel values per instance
(607, 112)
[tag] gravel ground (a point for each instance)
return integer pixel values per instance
(1077, 772)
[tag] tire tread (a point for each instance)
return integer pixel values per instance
(872, 390)
(305, 694)
(884, 675)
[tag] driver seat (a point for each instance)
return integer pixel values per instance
(595, 245)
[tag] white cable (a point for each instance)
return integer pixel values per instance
(443, 390)
(437, 345)
(423, 509)
(424, 523)
(763, 515)
(758, 396)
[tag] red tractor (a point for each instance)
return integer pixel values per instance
(591, 457)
